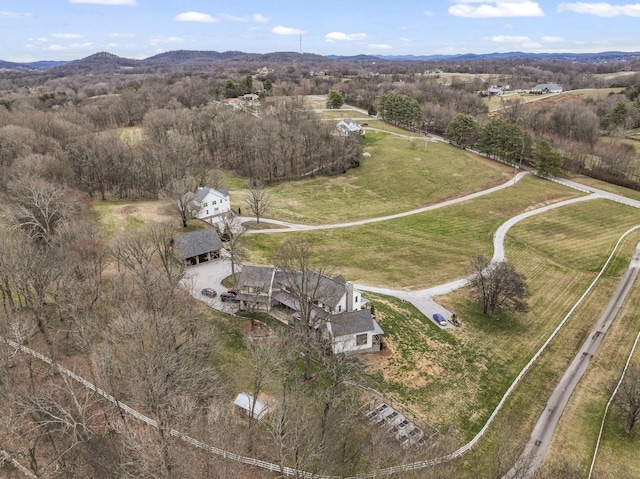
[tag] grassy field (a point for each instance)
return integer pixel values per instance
(422, 250)
(399, 176)
(619, 190)
(456, 378)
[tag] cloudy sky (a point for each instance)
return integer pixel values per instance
(71, 29)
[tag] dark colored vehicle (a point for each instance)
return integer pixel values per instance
(438, 318)
(210, 292)
(228, 296)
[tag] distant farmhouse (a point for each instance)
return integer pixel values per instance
(339, 311)
(495, 91)
(547, 88)
(348, 127)
(212, 205)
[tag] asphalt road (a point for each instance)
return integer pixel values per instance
(544, 430)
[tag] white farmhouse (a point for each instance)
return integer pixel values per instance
(212, 204)
(338, 310)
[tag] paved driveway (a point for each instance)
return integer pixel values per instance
(210, 275)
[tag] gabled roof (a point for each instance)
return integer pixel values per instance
(349, 125)
(547, 86)
(204, 191)
(353, 322)
(328, 291)
(257, 277)
(196, 243)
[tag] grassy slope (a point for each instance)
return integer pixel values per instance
(395, 178)
(424, 249)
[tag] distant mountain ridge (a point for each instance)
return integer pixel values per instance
(107, 61)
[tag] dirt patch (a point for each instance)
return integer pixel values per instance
(123, 216)
(260, 331)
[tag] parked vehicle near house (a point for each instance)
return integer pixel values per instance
(438, 318)
(209, 292)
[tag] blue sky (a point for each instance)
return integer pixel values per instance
(71, 29)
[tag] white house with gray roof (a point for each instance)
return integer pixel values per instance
(338, 310)
(354, 332)
(212, 204)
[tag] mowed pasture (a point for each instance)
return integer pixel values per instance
(456, 378)
(399, 176)
(420, 250)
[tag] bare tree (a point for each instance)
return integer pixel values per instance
(39, 208)
(258, 201)
(294, 261)
(166, 362)
(628, 398)
(181, 195)
(498, 286)
(233, 234)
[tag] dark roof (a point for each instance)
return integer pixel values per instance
(258, 277)
(201, 194)
(352, 322)
(196, 243)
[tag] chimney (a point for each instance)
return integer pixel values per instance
(349, 288)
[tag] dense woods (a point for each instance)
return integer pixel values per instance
(112, 308)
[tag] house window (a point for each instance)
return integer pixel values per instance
(361, 339)
(356, 299)
(214, 202)
(207, 211)
(339, 308)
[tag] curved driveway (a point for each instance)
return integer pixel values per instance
(422, 300)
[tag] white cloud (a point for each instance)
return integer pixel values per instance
(121, 35)
(552, 39)
(256, 17)
(405, 39)
(496, 9)
(73, 46)
(280, 30)
(106, 2)
(601, 9)
(260, 18)
(380, 46)
(163, 40)
(428, 13)
(339, 36)
(66, 35)
(195, 17)
(15, 14)
(509, 39)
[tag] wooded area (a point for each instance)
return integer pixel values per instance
(111, 308)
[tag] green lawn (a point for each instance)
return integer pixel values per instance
(422, 250)
(455, 379)
(399, 176)
(619, 190)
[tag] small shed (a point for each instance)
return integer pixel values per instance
(197, 247)
(244, 404)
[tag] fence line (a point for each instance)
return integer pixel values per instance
(5, 455)
(606, 409)
(287, 471)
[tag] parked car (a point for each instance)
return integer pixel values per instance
(229, 296)
(438, 318)
(210, 292)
